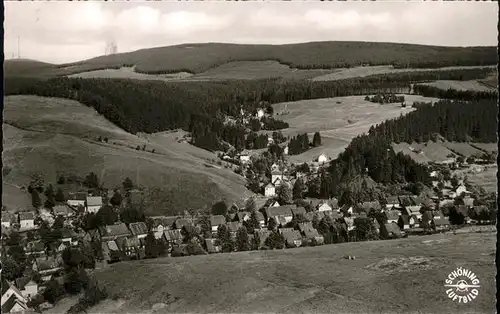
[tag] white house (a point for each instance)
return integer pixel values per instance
(12, 299)
(322, 158)
(275, 204)
(461, 189)
(260, 113)
(27, 220)
(93, 203)
(270, 190)
(324, 207)
(77, 199)
(8, 220)
(285, 150)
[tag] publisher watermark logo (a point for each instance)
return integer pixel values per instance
(463, 285)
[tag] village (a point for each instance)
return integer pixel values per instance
(109, 228)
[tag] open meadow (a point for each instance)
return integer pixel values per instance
(338, 120)
(129, 73)
(58, 136)
(395, 276)
(474, 85)
(382, 69)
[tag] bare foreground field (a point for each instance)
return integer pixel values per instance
(338, 119)
(396, 276)
(58, 136)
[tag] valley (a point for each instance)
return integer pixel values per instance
(57, 136)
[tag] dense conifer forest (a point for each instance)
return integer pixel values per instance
(431, 91)
(200, 107)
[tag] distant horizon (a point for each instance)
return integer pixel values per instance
(246, 44)
(66, 32)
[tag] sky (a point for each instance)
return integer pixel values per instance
(61, 31)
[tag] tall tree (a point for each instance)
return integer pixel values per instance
(298, 189)
(116, 199)
(242, 241)
(59, 197)
(35, 199)
(284, 194)
(220, 208)
(317, 139)
(91, 181)
(224, 239)
(128, 184)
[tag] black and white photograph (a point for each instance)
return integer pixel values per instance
(249, 157)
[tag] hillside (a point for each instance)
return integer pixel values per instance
(197, 58)
(398, 276)
(58, 136)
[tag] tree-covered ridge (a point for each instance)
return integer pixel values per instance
(196, 58)
(432, 91)
(373, 155)
(458, 121)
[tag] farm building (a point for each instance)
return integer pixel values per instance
(216, 221)
(173, 236)
(26, 220)
(112, 232)
(27, 286)
(270, 190)
(404, 222)
(181, 222)
(392, 202)
(13, 300)
(283, 211)
(77, 199)
(8, 220)
(212, 247)
(299, 211)
(93, 204)
(313, 234)
(392, 216)
(138, 229)
(441, 223)
(62, 210)
(292, 238)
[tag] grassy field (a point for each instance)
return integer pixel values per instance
(129, 73)
(397, 276)
(338, 120)
(487, 178)
(198, 58)
(377, 70)
(460, 85)
(59, 136)
(439, 151)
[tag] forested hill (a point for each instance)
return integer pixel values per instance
(196, 58)
(373, 155)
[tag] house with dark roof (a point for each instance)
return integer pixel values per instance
(8, 219)
(77, 199)
(26, 220)
(47, 265)
(392, 216)
(112, 232)
(138, 229)
(392, 202)
(212, 247)
(63, 211)
(216, 221)
(299, 210)
(173, 237)
(35, 248)
(12, 299)
(93, 204)
(390, 231)
(284, 211)
(313, 234)
(292, 238)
